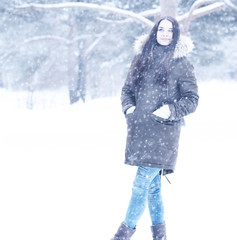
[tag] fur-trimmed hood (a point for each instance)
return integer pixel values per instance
(183, 46)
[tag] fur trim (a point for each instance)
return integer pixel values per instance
(183, 46)
(139, 43)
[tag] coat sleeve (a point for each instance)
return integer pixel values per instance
(188, 91)
(128, 92)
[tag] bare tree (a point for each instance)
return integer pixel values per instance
(198, 9)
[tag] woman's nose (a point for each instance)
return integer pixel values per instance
(165, 33)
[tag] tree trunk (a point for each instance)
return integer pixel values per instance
(169, 7)
(72, 62)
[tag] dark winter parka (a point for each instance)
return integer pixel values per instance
(153, 141)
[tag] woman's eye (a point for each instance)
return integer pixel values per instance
(163, 30)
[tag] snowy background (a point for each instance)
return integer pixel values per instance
(62, 175)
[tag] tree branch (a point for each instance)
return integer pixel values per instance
(94, 7)
(93, 45)
(40, 38)
(155, 13)
(230, 4)
(151, 13)
(196, 13)
(195, 6)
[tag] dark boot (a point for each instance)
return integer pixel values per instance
(159, 232)
(123, 233)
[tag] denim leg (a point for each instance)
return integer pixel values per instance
(155, 202)
(139, 197)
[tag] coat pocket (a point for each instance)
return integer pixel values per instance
(130, 121)
(167, 132)
(160, 120)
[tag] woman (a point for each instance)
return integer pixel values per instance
(159, 91)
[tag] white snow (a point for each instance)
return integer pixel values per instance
(62, 174)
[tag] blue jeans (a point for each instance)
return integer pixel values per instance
(146, 189)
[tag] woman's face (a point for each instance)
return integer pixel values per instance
(164, 34)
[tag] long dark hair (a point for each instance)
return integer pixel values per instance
(144, 60)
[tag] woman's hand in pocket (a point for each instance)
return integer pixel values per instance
(163, 112)
(130, 110)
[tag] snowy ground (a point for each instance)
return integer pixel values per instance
(62, 174)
